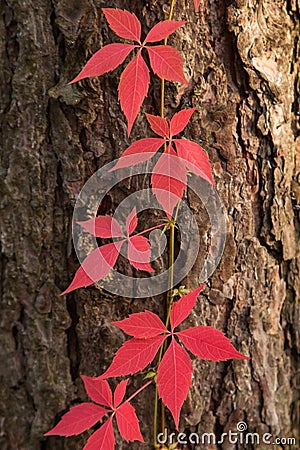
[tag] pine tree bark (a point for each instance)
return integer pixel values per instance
(242, 59)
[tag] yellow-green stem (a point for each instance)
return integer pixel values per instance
(171, 270)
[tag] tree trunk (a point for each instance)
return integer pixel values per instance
(241, 58)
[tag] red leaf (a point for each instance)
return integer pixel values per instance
(174, 378)
(180, 120)
(138, 152)
(139, 253)
(131, 222)
(128, 423)
(95, 266)
(209, 343)
(133, 88)
(182, 308)
(120, 392)
(78, 419)
(142, 325)
(197, 3)
(133, 356)
(167, 63)
(162, 30)
(159, 125)
(196, 159)
(103, 226)
(168, 189)
(98, 390)
(104, 60)
(123, 23)
(102, 439)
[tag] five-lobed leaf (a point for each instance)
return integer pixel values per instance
(209, 343)
(78, 419)
(128, 423)
(165, 61)
(174, 378)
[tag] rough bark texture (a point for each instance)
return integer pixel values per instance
(242, 59)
